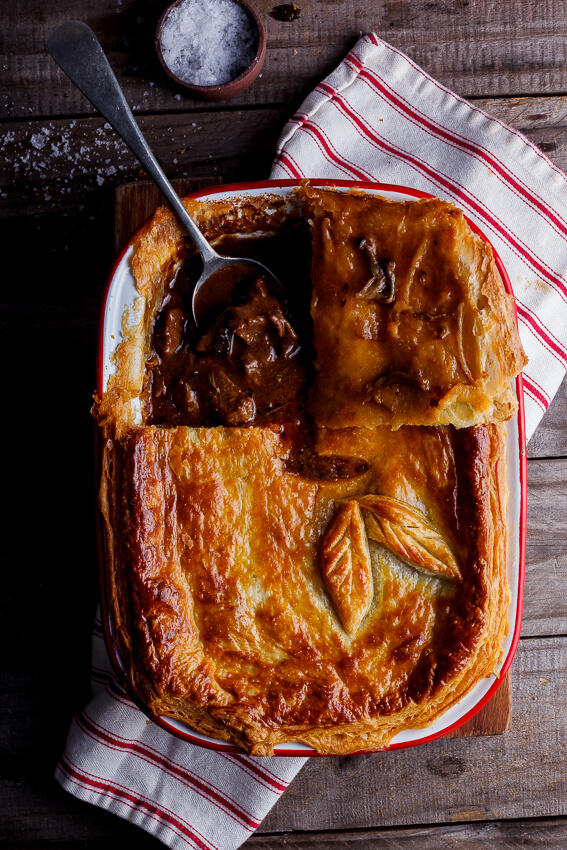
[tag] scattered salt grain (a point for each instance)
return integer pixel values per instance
(208, 42)
(37, 141)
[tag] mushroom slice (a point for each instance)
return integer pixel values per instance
(407, 533)
(346, 566)
(381, 286)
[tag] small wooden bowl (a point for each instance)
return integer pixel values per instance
(224, 91)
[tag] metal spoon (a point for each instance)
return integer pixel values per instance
(78, 53)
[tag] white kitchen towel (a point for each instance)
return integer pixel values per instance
(187, 796)
(380, 117)
(377, 117)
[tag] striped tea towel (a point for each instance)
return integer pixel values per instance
(186, 796)
(380, 117)
(377, 117)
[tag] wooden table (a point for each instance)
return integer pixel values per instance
(59, 169)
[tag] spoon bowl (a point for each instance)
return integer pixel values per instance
(219, 283)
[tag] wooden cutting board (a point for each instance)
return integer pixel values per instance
(134, 203)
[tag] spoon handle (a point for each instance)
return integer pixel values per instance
(75, 48)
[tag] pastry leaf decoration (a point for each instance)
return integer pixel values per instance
(346, 566)
(345, 557)
(405, 531)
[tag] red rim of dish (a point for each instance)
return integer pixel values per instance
(163, 722)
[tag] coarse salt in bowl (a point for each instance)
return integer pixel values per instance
(214, 48)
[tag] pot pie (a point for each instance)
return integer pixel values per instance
(290, 560)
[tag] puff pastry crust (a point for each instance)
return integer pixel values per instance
(412, 323)
(262, 604)
(224, 600)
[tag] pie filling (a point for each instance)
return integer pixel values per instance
(288, 560)
(250, 361)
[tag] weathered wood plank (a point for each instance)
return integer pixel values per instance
(545, 833)
(546, 558)
(60, 164)
(536, 117)
(546, 580)
(550, 438)
(520, 774)
(479, 48)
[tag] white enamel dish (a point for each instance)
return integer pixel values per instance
(122, 294)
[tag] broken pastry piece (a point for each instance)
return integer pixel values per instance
(412, 324)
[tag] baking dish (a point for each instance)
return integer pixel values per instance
(122, 295)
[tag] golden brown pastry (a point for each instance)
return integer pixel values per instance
(286, 582)
(412, 324)
(229, 608)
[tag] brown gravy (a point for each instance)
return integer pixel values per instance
(251, 361)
